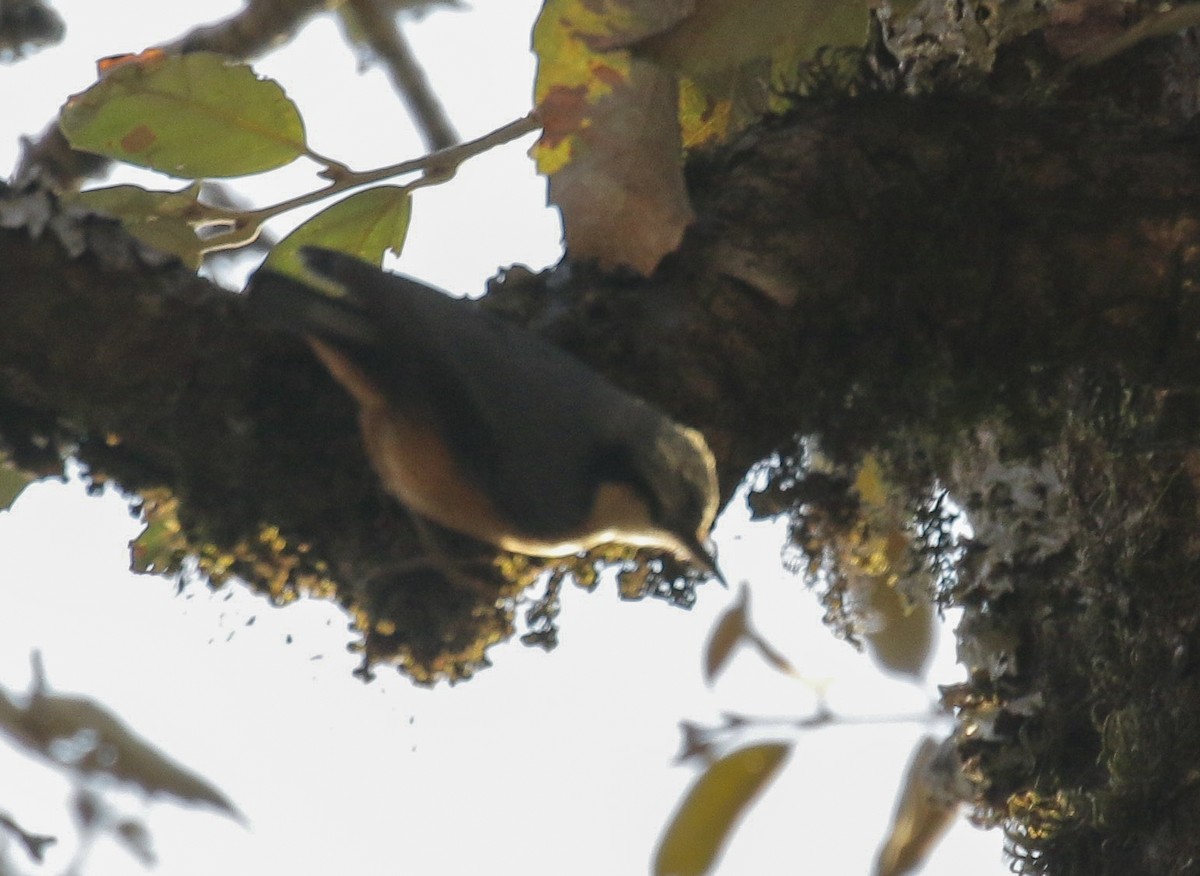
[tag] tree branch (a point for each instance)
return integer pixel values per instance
(263, 25)
(35, 844)
(382, 34)
(942, 261)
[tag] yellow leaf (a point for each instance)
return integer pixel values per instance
(721, 35)
(870, 484)
(572, 75)
(610, 136)
(924, 812)
(703, 117)
(706, 817)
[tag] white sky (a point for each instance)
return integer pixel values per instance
(543, 764)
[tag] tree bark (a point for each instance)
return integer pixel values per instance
(994, 297)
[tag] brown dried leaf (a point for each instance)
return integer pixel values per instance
(622, 193)
(729, 631)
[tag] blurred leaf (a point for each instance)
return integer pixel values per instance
(136, 838)
(721, 35)
(889, 593)
(706, 817)
(366, 224)
(35, 844)
(572, 76)
(168, 221)
(696, 743)
(194, 115)
(899, 632)
(88, 808)
(726, 635)
(12, 482)
(610, 144)
(739, 63)
(869, 482)
(924, 812)
(900, 8)
(82, 735)
(704, 117)
(771, 654)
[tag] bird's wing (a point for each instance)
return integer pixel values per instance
(527, 421)
(278, 301)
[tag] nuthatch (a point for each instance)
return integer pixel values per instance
(486, 429)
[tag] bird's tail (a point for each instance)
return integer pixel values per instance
(282, 302)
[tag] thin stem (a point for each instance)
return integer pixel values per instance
(34, 843)
(437, 167)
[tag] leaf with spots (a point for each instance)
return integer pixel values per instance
(191, 116)
(610, 144)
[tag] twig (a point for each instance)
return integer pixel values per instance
(436, 167)
(35, 844)
(261, 26)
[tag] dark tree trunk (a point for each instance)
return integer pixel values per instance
(992, 294)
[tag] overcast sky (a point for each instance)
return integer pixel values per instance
(544, 764)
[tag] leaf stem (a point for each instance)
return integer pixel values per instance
(437, 167)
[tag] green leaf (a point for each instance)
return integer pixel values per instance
(166, 220)
(706, 817)
(718, 37)
(194, 115)
(12, 483)
(366, 225)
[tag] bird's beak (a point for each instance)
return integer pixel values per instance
(701, 556)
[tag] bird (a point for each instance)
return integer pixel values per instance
(485, 428)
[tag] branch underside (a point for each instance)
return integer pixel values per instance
(1000, 300)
